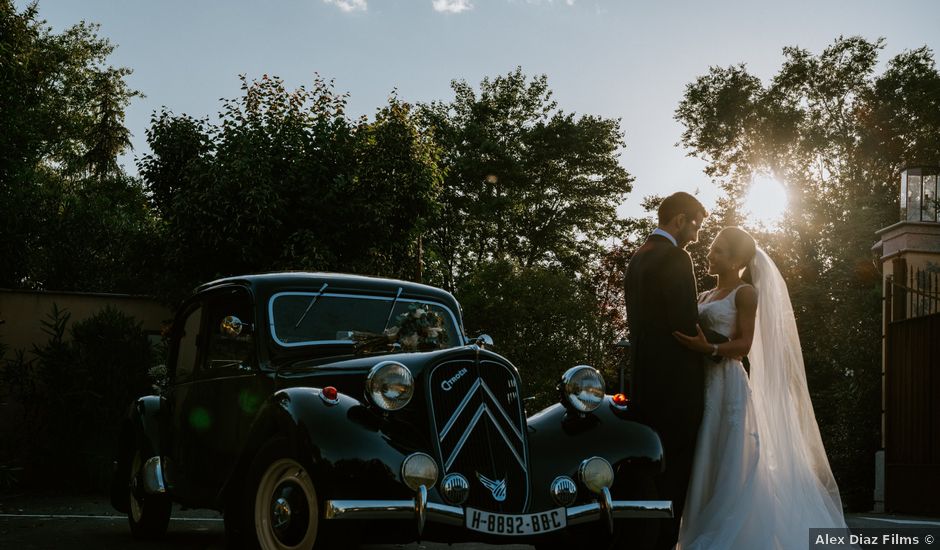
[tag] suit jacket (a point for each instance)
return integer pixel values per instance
(668, 379)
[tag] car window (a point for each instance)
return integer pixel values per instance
(230, 329)
(187, 346)
(333, 318)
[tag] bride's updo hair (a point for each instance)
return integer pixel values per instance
(741, 246)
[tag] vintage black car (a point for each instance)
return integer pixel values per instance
(282, 412)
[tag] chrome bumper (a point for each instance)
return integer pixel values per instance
(420, 510)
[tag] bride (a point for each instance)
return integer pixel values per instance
(760, 476)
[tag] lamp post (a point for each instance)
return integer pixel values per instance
(919, 194)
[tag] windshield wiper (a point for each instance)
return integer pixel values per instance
(391, 310)
(310, 305)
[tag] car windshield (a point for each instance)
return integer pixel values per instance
(334, 318)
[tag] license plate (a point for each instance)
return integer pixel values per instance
(516, 524)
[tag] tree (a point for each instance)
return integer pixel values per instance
(529, 195)
(523, 180)
(286, 180)
(107, 137)
(397, 185)
(94, 236)
(60, 135)
(836, 133)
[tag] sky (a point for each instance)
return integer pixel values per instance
(619, 59)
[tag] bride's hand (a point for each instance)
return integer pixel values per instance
(695, 343)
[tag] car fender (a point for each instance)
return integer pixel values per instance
(353, 451)
(140, 429)
(560, 440)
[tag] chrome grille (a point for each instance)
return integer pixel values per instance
(480, 431)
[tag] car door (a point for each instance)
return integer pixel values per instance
(176, 436)
(211, 407)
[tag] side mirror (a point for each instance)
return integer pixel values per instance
(232, 327)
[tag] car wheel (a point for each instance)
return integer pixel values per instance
(283, 508)
(148, 515)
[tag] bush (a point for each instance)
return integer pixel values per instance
(75, 393)
(20, 404)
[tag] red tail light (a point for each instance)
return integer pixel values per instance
(330, 395)
(620, 400)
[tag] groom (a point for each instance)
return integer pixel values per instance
(668, 379)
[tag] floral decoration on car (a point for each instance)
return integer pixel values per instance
(419, 328)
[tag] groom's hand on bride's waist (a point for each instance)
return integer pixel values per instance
(698, 343)
(704, 341)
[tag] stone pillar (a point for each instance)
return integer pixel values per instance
(911, 244)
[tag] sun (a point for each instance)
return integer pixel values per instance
(766, 201)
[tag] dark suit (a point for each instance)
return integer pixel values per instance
(668, 379)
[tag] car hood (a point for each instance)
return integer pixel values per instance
(415, 361)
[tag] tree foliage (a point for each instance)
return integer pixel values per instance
(836, 133)
(286, 180)
(524, 180)
(529, 197)
(67, 213)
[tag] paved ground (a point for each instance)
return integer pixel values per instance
(74, 522)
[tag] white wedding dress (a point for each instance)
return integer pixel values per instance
(760, 476)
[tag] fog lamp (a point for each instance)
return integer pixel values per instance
(419, 469)
(596, 474)
(564, 491)
(455, 488)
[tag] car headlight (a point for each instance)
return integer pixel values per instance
(596, 473)
(582, 388)
(390, 385)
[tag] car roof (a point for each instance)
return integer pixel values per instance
(268, 283)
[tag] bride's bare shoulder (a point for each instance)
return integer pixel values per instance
(746, 297)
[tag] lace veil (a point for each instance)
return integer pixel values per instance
(804, 488)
